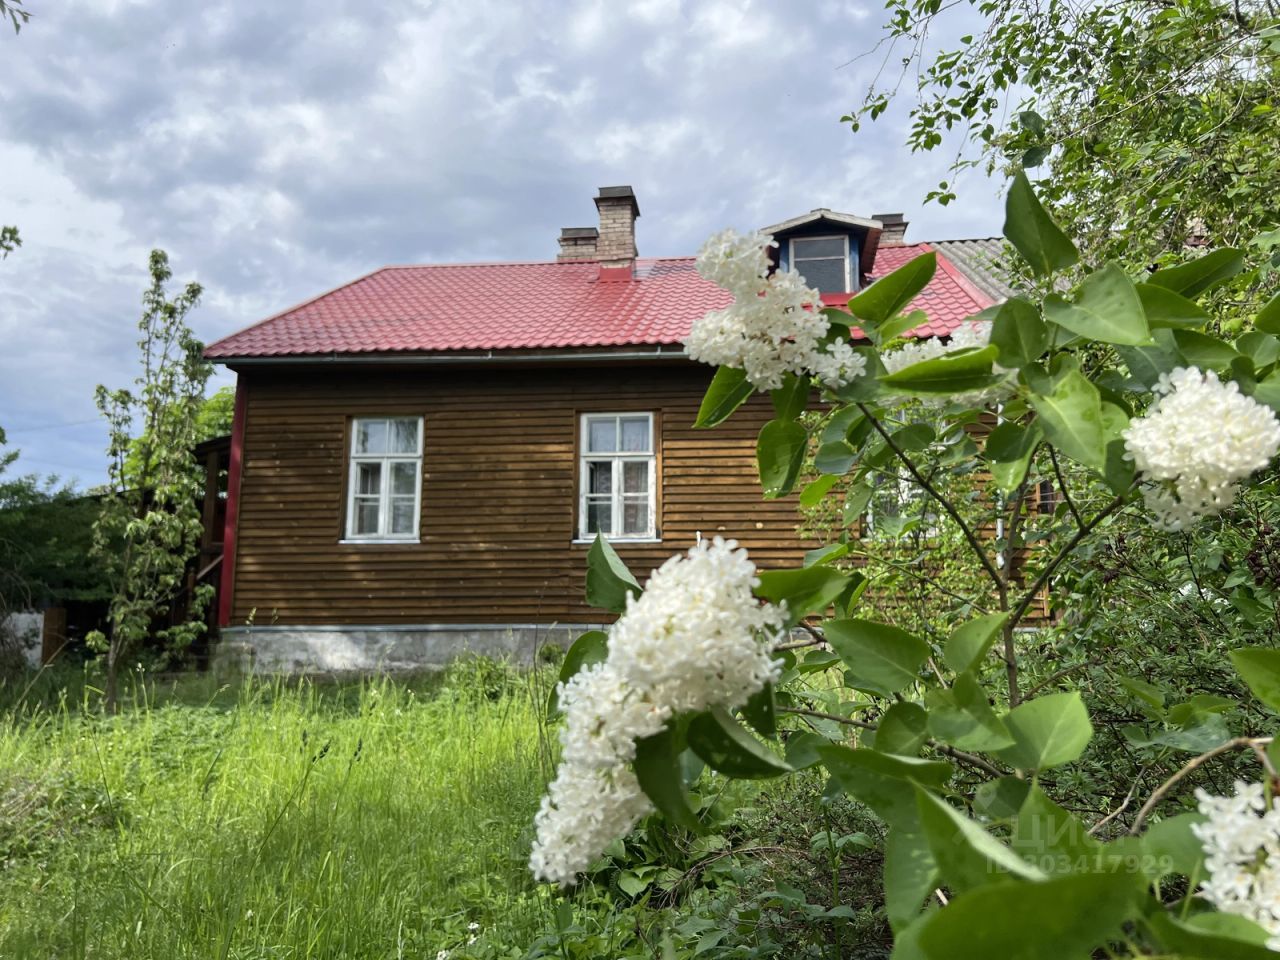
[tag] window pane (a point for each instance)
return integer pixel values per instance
(603, 436)
(600, 516)
(826, 275)
(371, 436)
(404, 435)
(368, 478)
(402, 515)
(635, 434)
(826, 247)
(404, 478)
(600, 476)
(635, 516)
(635, 476)
(366, 517)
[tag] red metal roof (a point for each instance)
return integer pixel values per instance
(538, 305)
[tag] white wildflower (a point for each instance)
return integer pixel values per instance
(973, 333)
(697, 638)
(775, 325)
(1195, 445)
(1241, 841)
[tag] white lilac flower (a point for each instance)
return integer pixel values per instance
(1195, 445)
(695, 639)
(1241, 841)
(775, 325)
(973, 333)
(585, 810)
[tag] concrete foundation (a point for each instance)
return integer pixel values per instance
(381, 649)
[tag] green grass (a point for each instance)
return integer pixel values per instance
(376, 819)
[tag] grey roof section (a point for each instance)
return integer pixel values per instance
(982, 261)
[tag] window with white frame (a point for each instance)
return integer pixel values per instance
(616, 481)
(823, 262)
(384, 490)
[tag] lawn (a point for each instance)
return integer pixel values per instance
(375, 819)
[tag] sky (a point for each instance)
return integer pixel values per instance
(278, 149)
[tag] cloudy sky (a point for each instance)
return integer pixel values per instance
(276, 149)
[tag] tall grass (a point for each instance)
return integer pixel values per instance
(274, 821)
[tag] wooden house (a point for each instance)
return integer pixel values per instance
(421, 457)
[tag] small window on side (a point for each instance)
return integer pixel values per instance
(384, 487)
(616, 482)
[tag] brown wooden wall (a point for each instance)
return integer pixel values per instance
(499, 492)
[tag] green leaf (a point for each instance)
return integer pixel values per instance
(1019, 334)
(1194, 278)
(967, 856)
(835, 458)
(1211, 936)
(1268, 392)
(813, 493)
(780, 452)
(790, 399)
(963, 370)
(970, 641)
(1033, 233)
(729, 749)
(1047, 732)
(761, 711)
(1056, 841)
(962, 716)
(901, 324)
(903, 729)
(881, 659)
(1268, 318)
(1164, 308)
(888, 295)
(807, 590)
(1106, 308)
(1260, 669)
(1261, 348)
(1009, 449)
(884, 782)
(591, 647)
(1071, 417)
(657, 767)
(1174, 848)
(608, 579)
(729, 390)
(1065, 917)
(1205, 352)
(910, 875)
(1001, 799)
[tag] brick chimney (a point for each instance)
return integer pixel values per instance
(578, 243)
(616, 247)
(895, 229)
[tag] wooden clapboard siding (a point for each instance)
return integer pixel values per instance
(499, 494)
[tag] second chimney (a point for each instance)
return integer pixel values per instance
(578, 243)
(616, 247)
(895, 229)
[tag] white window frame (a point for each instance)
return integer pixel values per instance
(585, 457)
(383, 535)
(843, 237)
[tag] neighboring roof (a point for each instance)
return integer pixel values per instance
(982, 261)
(538, 305)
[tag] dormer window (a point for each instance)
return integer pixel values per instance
(823, 262)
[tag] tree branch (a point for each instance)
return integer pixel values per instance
(1256, 744)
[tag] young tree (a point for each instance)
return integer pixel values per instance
(149, 526)
(1156, 119)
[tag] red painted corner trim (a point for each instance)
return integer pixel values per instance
(228, 583)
